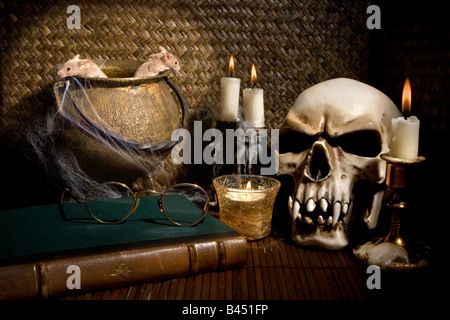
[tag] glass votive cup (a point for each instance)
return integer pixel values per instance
(246, 203)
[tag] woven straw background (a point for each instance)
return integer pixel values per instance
(294, 44)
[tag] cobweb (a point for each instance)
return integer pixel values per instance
(61, 165)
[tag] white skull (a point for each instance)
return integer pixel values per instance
(330, 143)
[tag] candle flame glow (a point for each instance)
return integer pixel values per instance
(248, 186)
(253, 77)
(406, 98)
(231, 66)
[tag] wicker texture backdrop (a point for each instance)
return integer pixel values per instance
(294, 44)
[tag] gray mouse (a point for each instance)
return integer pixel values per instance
(157, 63)
(81, 67)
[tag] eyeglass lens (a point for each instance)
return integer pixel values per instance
(109, 202)
(184, 203)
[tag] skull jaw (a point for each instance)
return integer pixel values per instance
(321, 237)
(369, 201)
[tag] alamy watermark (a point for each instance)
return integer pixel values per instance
(74, 20)
(252, 147)
(374, 280)
(374, 20)
(74, 280)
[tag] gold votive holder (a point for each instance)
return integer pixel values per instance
(246, 203)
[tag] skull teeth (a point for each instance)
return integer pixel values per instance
(296, 209)
(308, 220)
(329, 221)
(310, 205)
(336, 213)
(322, 212)
(320, 219)
(323, 204)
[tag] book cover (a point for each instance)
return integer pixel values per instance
(47, 252)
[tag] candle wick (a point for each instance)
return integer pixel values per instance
(253, 85)
(231, 74)
(406, 115)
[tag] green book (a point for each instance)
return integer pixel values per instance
(46, 236)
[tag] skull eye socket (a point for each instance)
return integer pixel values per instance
(295, 141)
(366, 143)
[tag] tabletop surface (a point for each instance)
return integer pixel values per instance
(277, 270)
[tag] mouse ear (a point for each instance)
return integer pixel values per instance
(162, 50)
(165, 57)
(77, 57)
(84, 64)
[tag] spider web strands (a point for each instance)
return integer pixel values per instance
(142, 157)
(125, 149)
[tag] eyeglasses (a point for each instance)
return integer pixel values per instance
(183, 204)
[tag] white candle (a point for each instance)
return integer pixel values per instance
(229, 99)
(254, 104)
(405, 138)
(405, 130)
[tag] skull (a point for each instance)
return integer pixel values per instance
(330, 143)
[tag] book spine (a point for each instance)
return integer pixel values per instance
(73, 275)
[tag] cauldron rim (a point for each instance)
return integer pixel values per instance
(126, 82)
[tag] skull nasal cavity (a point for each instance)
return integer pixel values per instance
(319, 167)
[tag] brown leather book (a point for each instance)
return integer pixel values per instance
(44, 253)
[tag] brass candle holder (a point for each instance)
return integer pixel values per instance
(393, 252)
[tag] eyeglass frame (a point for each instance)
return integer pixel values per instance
(136, 201)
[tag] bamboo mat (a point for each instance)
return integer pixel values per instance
(275, 270)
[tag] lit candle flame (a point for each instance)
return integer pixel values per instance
(253, 77)
(406, 99)
(231, 66)
(248, 186)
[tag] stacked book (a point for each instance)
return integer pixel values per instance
(49, 252)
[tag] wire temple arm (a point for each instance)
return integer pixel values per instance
(71, 195)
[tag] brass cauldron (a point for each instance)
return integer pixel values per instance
(119, 128)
